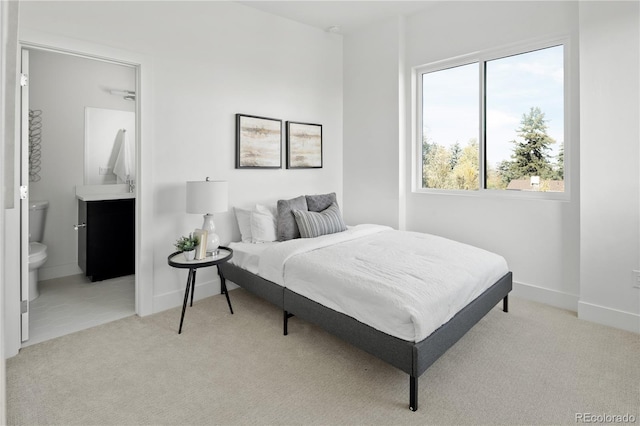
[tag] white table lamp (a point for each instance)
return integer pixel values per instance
(208, 197)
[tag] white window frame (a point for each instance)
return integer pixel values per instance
(481, 58)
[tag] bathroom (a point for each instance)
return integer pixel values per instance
(73, 101)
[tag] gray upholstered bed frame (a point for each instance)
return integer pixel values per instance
(411, 357)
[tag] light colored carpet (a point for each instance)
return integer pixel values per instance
(534, 365)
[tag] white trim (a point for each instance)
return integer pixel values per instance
(144, 189)
(480, 57)
(500, 194)
(171, 299)
(482, 126)
(607, 316)
(56, 43)
(416, 140)
(4, 33)
(586, 311)
(547, 296)
(23, 204)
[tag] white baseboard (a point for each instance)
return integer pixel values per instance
(51, 272)
(586, 311)
(547, 296)
(175, 298)
(607, 316)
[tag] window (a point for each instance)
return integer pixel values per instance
(493, 122)
(450, 128)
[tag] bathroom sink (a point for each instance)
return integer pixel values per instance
(103, 192)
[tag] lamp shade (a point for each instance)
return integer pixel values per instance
(210, 196)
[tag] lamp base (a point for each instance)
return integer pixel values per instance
(213, 240)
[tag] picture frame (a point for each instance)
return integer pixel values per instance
(258, 142)
(304, 145)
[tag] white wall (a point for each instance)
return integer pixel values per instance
(577, 254)
(210, 61)
(62, 86)
(610, 163)
(540, 239)
(371, 125)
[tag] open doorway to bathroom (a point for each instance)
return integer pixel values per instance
(67, 151)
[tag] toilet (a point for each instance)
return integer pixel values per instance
(37, 250)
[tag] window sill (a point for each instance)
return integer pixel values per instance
(497, 194)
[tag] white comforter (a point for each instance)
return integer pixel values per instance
(405, 284)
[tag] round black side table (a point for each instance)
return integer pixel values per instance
(177, 260)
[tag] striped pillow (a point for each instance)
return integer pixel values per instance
(313, 224)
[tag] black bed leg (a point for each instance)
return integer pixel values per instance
(505, 304)
(413, 393)
(285, 318)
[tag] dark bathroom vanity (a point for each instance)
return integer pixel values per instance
(106, 238)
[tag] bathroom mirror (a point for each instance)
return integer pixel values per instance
(109, 146)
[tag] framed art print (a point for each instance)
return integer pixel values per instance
(258, 142)
(304, 145)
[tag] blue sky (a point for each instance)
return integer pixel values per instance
(514, 85)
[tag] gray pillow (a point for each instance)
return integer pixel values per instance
(286, 226)
(314, 224)
(318, 203)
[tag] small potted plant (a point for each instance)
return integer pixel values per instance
(187, 245)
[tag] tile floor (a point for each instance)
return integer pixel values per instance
(73, 303)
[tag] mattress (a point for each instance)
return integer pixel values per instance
(247, 255)
(405, 284)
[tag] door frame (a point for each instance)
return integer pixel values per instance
(31, 39)
(23, 206)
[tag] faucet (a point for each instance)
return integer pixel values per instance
(131, 184)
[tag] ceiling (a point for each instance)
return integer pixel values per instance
(347, 15)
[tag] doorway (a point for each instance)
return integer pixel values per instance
(61, 87)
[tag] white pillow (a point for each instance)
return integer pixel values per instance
(263, 226)
(243, 216)
(271, 209)
(257, 225)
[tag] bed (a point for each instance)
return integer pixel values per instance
(364, 285)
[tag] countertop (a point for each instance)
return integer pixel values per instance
(103, 192)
